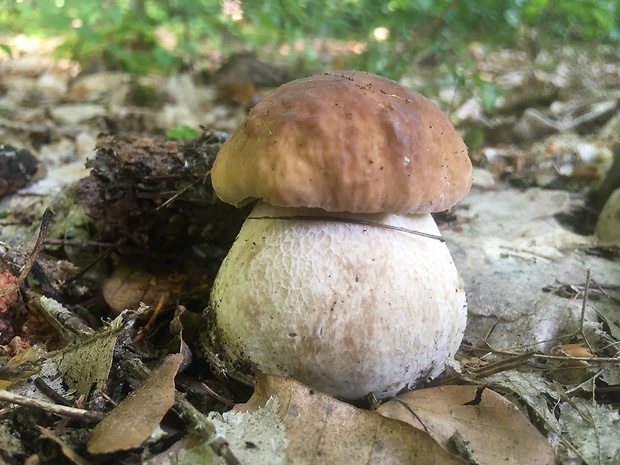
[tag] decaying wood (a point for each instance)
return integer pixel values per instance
(156, 193)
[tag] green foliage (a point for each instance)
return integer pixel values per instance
(474, 139)
(142, 95)
(122, 31)
(6, 49)
(488, 92)
(182, 132)
(577, 20)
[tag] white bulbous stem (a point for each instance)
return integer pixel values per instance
(343, 307)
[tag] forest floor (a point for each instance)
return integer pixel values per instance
(98, 355)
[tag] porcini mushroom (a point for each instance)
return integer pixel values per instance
(339, 277)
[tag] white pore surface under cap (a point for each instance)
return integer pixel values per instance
(345, 308)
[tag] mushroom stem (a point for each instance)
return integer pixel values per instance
(346, 303)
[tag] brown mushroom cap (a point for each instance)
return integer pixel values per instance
(345, 141)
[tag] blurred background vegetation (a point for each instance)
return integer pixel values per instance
(386, 37)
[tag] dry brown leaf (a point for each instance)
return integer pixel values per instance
(321, 429)
(129, 424)
(492, 430)
(128, 286)
(575, 350)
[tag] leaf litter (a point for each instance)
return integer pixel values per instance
(537, 340)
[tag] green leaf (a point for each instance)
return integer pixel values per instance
(489, 93)
(7, 49)
(182, 132)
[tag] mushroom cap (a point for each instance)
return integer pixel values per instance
(345, 141)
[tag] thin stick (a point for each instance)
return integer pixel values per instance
(568, 358)
(62, 410)
(176, 195)
(78, 243)
(46, 220)
(583, 309)
(220, 447)
(217, 396)
(46, 389)
(163, 298)
(534, 354)
(502, 365)
(338, 219)
(88, 267)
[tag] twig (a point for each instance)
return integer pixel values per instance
(46, 220)
(338, 219)
(62, 410)
(69, 325)
(220, 447)
(176, 195)
(583, 310)
(533, 354)
(567, 358)
(91, 265)
(487, 370)
(78, 243)
(502, 365)
(408, 407)
(163, 298)
(517, 360)
(46, 389)
(585, 415)
(216, 396)
(197, 421)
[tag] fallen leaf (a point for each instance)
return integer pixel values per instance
(491, 428)
(320, 429)
(256, 437)
(575, 350)
(593, 430)
(67, 452)
(85, 367)
(128, 286)
(129, 424)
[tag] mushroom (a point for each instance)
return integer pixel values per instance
(339, 277)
